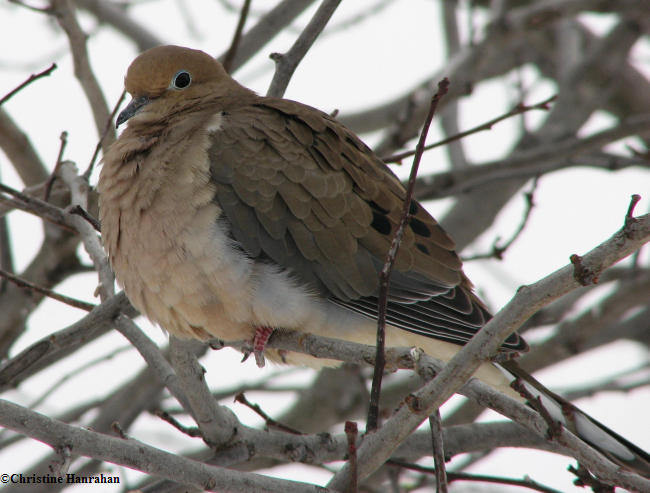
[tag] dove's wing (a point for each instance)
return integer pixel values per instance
(299, 190)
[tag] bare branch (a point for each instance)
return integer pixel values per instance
(384, 275)
(218, 424)
(79, 197)
(29, 80)
(499, 250)
(234, 44)
(193, 431)
(266, 29)
(37, 207)
(153, 356)
(479, 478)
(50, 181)
(578, 334)
(517, 110)
(107, 128)
(352, 433)
(286, 63)
(18, 148)
(137, 455)
(63, 343)
(435, 423)
(23, 283)
(526, 163)
(268, 420)
(112, 14)
(64, 12)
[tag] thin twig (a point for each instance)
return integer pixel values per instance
(109, 126)
(269, 26)
(75, 372)
(6, 252)
(234, 44)
(23, 283)
(435, 423)
(541, 159)
(616, 383)
(554, 426)
(350, 22)
(352, 432)
(50, 181)
(29, 80)
(629, 217)
(498, 251)
(286, 64)
(269, 421)
(384, 275)
(192, 431)
(80, 211)
(116, 428)
(517, 110)
(63, 343)
(358, 18)
(449, 118)
(463, 476)
(35, 206)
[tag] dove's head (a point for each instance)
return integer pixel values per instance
(165, 78)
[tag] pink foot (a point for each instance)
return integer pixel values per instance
(260, 339)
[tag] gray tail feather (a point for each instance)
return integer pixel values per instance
(608, 442)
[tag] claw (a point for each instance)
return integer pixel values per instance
(260, 339)
(259, 359)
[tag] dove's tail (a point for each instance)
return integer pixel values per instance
(608, 442)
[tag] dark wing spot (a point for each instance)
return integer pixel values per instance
(376, 207)
(414, 208)
(422, 248)
(380, 223)
(419, 227)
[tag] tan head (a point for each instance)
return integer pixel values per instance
(162, 78)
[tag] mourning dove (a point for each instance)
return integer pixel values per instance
(227, 214)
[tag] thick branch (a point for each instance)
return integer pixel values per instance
(17, 146)
(111, 13)
(137, 455)
(63, 343)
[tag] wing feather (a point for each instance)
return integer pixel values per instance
(298, 189)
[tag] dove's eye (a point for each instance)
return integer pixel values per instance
(181, 80)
